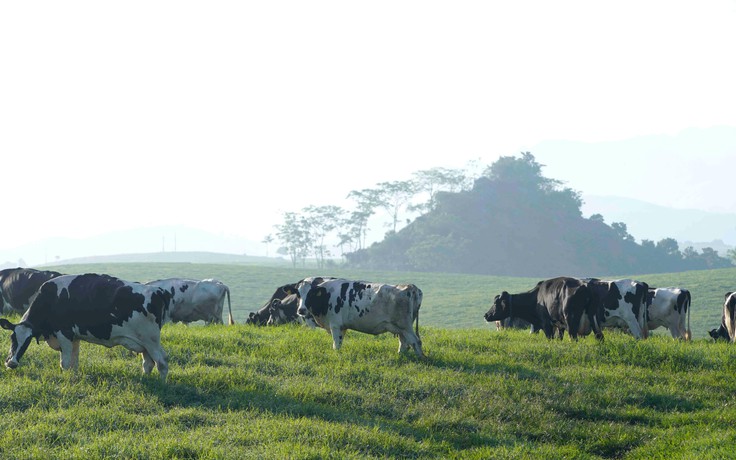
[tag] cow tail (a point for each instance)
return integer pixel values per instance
(688, 332)
(229, 308)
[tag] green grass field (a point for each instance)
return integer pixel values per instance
(282, 392)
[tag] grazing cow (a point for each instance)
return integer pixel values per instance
(19, 286)
(670, 308)
(512, 323)
(339, 304)
(283, 311)
(721, 333)
(729, 316)
(261, 317)
(94, 308)
(621, 303)
(196, 300)
(556, 304)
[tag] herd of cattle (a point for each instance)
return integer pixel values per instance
(66, 309)
(101, 309)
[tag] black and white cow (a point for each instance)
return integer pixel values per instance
(721, 333)
(621, 304)
(728, 319)
(263, 314)
(19, 286)
(196, 300)
(93, 308)
(670, 308)
(283, 311)
(373, 308)
(554, 305)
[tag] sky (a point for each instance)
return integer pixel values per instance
(223, 115)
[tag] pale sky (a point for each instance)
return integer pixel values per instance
(223, 115)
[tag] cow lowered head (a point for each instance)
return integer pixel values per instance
(19, 340)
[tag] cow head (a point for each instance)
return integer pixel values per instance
(258, 318)
(275, 314)
(19, 341)
(719, 334)
(501, 308)
(312, 299)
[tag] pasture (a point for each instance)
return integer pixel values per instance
(282, 392)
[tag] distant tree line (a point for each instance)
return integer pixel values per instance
(511, 220)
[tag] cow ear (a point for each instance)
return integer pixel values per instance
(5, 324)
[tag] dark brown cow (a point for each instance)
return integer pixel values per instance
(562, 304)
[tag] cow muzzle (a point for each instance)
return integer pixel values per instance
(11, 363)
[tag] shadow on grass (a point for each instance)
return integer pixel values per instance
(265, 398)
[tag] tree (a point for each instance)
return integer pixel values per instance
(367, 200)
(431, 181)
(267, 240)
(524, 171)
(294, 233)
(322, 221)
(394, 196)
(669, 247)
(622, 231)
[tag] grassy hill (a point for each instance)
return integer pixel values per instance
(450, 300)
(237, 392)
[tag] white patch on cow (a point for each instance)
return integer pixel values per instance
(196, 300)
(662, 312)
(728, 316)
(624, 316)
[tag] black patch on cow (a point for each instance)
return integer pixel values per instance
(183, 288)
(637, 298)
(317, 301)
(344, 294)
(683, 301)
(93, 304)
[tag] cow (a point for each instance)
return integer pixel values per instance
(621, 303)
(373, 308)
(670, 308)
(512, 323)
(262, 315)
(728, 321)
(93, 308)
(721, 333)
(19, 286)
(196, 300)
(282, 311)
(553, 306)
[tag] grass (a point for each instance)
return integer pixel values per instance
(247, 392)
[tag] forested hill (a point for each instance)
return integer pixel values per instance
(514, 221)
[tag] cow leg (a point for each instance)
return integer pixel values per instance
(155, 355)
(407, 338)
(148, 362)
(67, 351)
(337, 335)
(75, 355)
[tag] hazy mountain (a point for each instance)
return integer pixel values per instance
(165, 239)
(648, 221)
